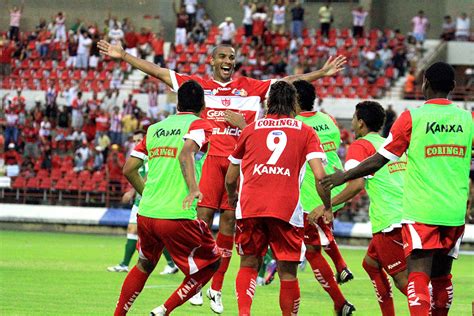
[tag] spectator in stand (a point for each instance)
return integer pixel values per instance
(200, 13)
(76, 26)
(153, 101)
(117, 77)
(109, 100)
(80, 157)
(279, 15)
(420, 26)
(181, 24)
(11, 128)
(103, 141)
(190, 6)
(94, 51)
(63, 118)
(45, 130)
(78, 108)
(78, 136)
(72, 51)
(29, 133)
(463, 27)
(11, 156)
(386, 55)
(89, 129)
(98, 158)
(249, 8)
(93, 105)
(297, 20)
(43, 43)
(102, 121)
(7, 49)
(130, 124)
(157, 43)
(144, 39)
(15, 17)
(390, 117)
(115, 35)
(70, 93)
(399, 61)
(115, 163)
(60, 28)
(410, 84)
(325, 18)
(50, 95)
(358, 21)
(115, 131)
(83, 49)
(259, 19)
(130, 105)
(449, 28)
(206, 23)
(227, 31)
(131, 42)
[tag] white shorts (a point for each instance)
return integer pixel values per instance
(133, 215)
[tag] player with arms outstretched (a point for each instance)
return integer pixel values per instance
(320, 235)
(243, 95)
(170, 146)
(270, 158)
(436, 137)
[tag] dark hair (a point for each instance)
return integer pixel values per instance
(306, 94)
(440, 75)
(214, 50)
(139, 131)
(372, 113)
(190, 97)
(282, 98)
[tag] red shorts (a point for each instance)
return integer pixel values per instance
(387, 250)
(447, 239)
(189, 242)
(319, 235)
(212, 184)
(254, 235)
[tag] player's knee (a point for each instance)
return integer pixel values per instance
(145, 265)
(401, 280)
(215, 265)
(312, 248)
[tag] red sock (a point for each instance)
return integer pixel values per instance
(383, 290)
(225, 243)
(289, 297)
(442, 295)
(245, 287)
(190, 286)
(131, 288)
(323, 273)
(333, 252)
(418, 294)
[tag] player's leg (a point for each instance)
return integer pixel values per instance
(381, 283)
(441, 283)
(343, 273)
(251, 241)
(151, 247)
(194, 251)
(289, 287)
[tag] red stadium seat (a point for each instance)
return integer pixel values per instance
(33, 183)
(19, 182)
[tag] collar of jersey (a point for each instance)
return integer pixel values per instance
(439, 101)
(307, 113)
(182, 113)
(222, 84)
(277, 116)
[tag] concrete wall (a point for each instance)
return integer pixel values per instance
(461, 53)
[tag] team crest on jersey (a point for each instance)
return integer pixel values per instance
(240, 92)
(225, 102)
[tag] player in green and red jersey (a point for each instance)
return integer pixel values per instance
(320, 235)
(437, 138)
(170, 146)
(385, 190)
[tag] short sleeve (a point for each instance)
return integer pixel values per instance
(239, 151)
(261, 87)
(140, 150)
(313, 147)
(199, 131)
(358, 151)
(178, 79)
(398, 140)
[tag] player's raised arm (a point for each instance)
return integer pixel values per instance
(186, 162)
(130, 171)
(330, 68)
(116, 51)
(325, 194)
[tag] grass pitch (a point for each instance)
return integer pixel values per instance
(65, 274)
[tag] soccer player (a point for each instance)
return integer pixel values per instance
(321, 234)
(132, 235)
(170, 146)
(385, 189)
(243, 95)
(271, 157)
(436, 137)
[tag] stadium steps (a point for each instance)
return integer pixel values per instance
(135, 78)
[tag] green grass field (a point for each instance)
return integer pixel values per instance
(65, 274)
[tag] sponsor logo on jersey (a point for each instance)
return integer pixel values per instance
(445, 151)
(240, 92)
(208, 92)
(216, 115)
(321, 127)
(329, 146)
(435, 127)
(391, 266)
(164, 152)
(187, 288)
(226, 102)
(161, 132)
(285, 122)
(232, 131)
(262, 169)
(397, 166)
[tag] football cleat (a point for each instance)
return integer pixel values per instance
(159, 311)
(345, 276)
(215, 299)
(346, 309)
(169, 270)
(118, 268)
(196, 300)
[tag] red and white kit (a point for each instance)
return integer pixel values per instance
(273, 151)
(243, 95)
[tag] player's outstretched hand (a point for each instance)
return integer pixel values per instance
(235, 119)
(333, 180)
(114, 51)
(333, 66)
(188, 201)
(315, 215)
(328, 216)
